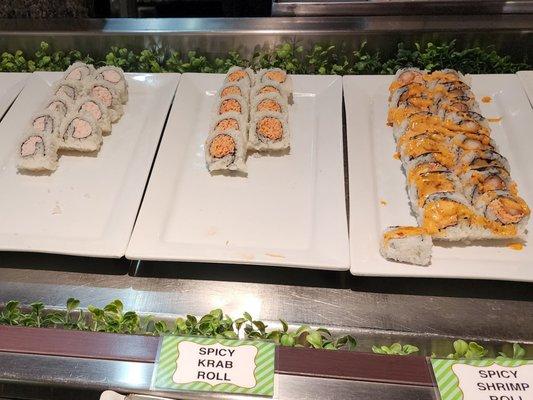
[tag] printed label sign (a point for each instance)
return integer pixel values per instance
(484, 379)
(216, 365)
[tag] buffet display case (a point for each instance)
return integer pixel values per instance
(376, 309)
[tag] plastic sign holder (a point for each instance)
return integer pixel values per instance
(215, 365)
(487, 379)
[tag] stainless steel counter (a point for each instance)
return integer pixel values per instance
(215, 36)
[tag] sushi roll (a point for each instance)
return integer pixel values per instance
(229, 121)
(107, 94)
(428, 184)
(278, 76)
(115, 76)
(80, 131)
(234, 89)
(38, 152)
(269, 102)
(504, 208)
(269, 131)
(226, 151)
(100, 113)
(59, 105)
(268, 87)
(232, 103)
(71, 89)
(243, 76)
(478, 182)
(47, 122)
(406, 244)
(79, 71)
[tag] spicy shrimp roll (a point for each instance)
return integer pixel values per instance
(407, 244)
(71, 89)
(234, 89)
(79, 71)
(107, 94)
(97, 109)
(38, 152)
(269, 102)
(266, 88)
(229, 121)
(226, 151)
(231, 103)
(115, 76)
(47, 122)
(80, 131)
(278, 76)
(59, 105)
(269, 131)
(241, 75)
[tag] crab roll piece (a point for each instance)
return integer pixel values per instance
(269, 131)
(79, 71)
(237, 104)
(226, 151)
(80, 131)
(46, 122)
(229, 121)
(234, 89)
(115, 76)
(107, 94)
(269, 102)
(38, 152)
(407, 76)
(59, 105)
(97, 109)
(276, 75)
(71, 89)
(243, 76)
(406, 244)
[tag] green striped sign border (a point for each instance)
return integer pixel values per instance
(168, 355)
(447, 381)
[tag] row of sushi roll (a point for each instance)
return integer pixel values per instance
(459, 185)
(251, 113)
(82, 107)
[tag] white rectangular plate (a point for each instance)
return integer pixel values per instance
(526, 77)
(289, 210)
(88, 206)
(375, 176)
(11, 83)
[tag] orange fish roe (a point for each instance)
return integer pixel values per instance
(486, 99)
(268, 89)
(237, 76)
(278, 76)
(270, 128)
(229, 105)
(221, 146)
(269, 105)
(226, 125)
(231, 90)
(516, 246)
